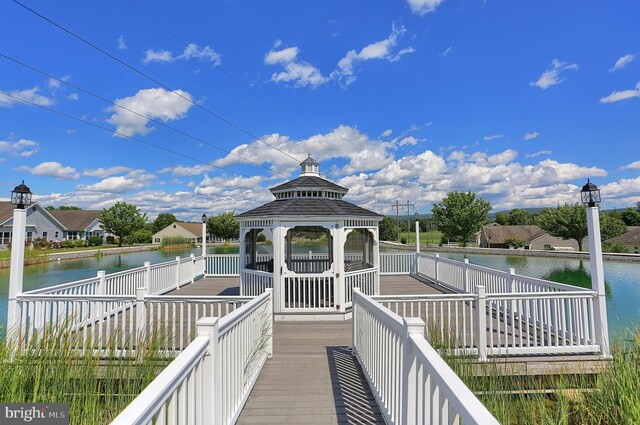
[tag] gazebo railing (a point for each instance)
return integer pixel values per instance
(254, 282)
(366, 280)
(306, 292)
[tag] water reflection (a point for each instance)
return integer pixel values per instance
(576, 276)
(517, 261)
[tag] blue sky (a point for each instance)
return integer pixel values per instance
(520, 102)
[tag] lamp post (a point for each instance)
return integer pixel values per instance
(204, 234)
(417, 232)
(590, 195)
(21, 198)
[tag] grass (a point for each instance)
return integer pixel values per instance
(612, 397)
(432, 237)
(175, 243)
(50, 370)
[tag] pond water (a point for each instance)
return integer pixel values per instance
(622, 278)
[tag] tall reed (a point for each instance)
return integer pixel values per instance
(49, 368)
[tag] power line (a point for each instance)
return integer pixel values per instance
(218, 68)
(154, 80)
(138, 113)
(122, 134)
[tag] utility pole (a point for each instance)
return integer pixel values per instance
(408, 205)
(397, 206)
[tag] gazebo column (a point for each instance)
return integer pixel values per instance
(376, 257)
(278, 262)
(339, 237)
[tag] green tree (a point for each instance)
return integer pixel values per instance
(388, 229)
(122, 220)
(566, 222)
(460, 215)
(142, 235)
(611, 226)
(224, 226)
(518, 217)
(630, 217)
(63, 208)
(515, 242)
(502, 218)
(162, 221)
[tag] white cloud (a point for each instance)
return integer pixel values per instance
(409, 140)
(633, 166)
(73, 96)
(387, 133)
(382, 49)
(22, 148)
(446, 52)
(154, 103)
(133, 181)
(105, 172)
(281, 56)
(30, 95)
(531, 136)
(191, 51)
(422, 7)
(299, 72)
(622, 62)
(617, 96)
(493, 137)
(185, 170)
(121, 43)
(551, 76)
(51, 169)
(539, 153)
(347, 142)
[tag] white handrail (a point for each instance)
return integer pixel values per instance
(184, 373)
(421, 388)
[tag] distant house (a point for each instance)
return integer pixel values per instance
(190, 231)
(50, 225)
(631, 240)
(496, 236)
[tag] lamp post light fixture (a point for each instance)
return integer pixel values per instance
(417, 232)
(204, 235)
(21, 198)
(590, 195)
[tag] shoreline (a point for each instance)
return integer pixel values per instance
(74, 255)
(630, 258)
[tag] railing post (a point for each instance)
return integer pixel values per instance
(510, 273)
(481, 322)
(435, 268)
(270, 343)
(141, 312)
(193, 268)
(212, 372)
(147, 276)
(465, 276)
(100, 290)
(412, 326)
(354, 330)
(178, 272)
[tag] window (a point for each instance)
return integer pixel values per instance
(547, 247)
(358, 250)
(44, 235)
(73, 235)
(157, 240)
(56, 235)
(309, 249)
(258, 249)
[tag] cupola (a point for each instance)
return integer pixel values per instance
(309, 167)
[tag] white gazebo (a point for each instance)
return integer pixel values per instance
(311, 247)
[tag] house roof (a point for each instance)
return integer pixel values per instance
(308, 206)
(195, 228)
(6, 211)
(308, 182)
(631, 237)
(75, 220)
(499, 234)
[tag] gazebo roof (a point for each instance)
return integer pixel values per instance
(308, 207)
(308, 182)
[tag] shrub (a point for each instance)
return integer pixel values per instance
(403, 239)
(94, 241)
(41, 243)
(111, 240)
(616, 248)
(76, 243)
(261, 238)
(140, 236)
(515, 242)
(175, 240)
